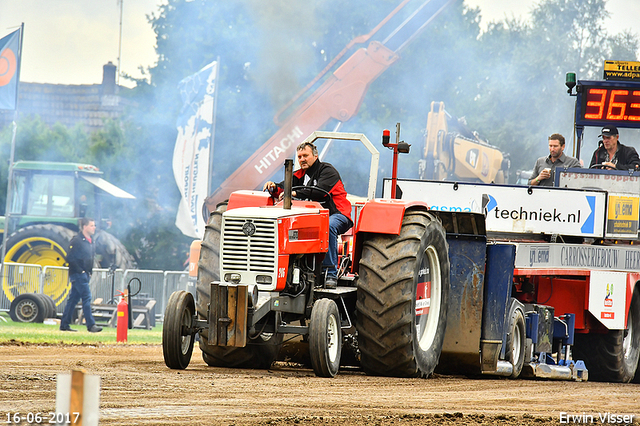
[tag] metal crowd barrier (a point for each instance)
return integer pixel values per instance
(17, 279)
(105, 284)
(54, 282)
(177, 280)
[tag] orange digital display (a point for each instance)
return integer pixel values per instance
(605, 103)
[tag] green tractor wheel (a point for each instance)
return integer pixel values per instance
(44, 245)
(110, 251)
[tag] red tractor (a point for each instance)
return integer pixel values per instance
(259, 279)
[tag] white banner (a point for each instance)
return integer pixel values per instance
(605, 180)
(193, 148)
(624, 258)
(515, 209)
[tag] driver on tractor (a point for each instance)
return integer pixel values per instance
(611, 154)
(315, 174)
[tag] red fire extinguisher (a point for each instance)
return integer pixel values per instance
(123, 318)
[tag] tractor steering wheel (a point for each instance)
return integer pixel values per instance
(602, 166)
(311, 188)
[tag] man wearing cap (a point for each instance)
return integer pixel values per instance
(612, 154)
(544, 170)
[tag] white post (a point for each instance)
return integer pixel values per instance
(77, 399)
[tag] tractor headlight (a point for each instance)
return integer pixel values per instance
(263, 279)
(232, 278)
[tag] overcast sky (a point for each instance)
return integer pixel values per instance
(624, 13)
(68, 41)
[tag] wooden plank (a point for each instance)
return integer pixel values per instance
(221, 307)
(77, 396)
(213, 315)
(232, 302)
(241, 316)
(137, 322)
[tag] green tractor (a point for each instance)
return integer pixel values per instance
(47, 199)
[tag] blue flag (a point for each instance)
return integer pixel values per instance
(9, 65)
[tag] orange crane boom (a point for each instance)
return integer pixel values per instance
(338, 97)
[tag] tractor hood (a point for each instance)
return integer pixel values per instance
(107, 187)
(270, 212)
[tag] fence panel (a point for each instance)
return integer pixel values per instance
(105, 284)
(17, 279)
(177, 280)
(55, 283)
(174, 281)
(151, 285)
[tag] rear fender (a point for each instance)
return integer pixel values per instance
(379, 216)
(384, 216)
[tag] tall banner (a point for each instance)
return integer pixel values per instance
(9, 66)
(193, 148)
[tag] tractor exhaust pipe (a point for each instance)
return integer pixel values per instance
(288, 182)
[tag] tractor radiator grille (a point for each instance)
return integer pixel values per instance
(249, 245)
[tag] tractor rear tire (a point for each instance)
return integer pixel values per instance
(29, 307)
(177, 342)
(403, 294)
(209, 262)
(111, 251)
(44, 245)
(325, 338)
(613, 356)
(261, 350)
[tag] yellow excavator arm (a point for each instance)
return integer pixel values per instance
(452, 152)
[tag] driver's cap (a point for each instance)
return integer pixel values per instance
(609, 131)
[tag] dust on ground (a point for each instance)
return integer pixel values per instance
(138, 389)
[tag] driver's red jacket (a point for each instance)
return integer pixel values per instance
(324, 176)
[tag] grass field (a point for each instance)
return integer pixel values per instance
(51, 334)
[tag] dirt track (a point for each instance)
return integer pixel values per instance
(137, 388)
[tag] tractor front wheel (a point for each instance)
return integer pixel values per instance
(177, 334)
(325, 338)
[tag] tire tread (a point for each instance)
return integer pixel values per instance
(385, 312)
